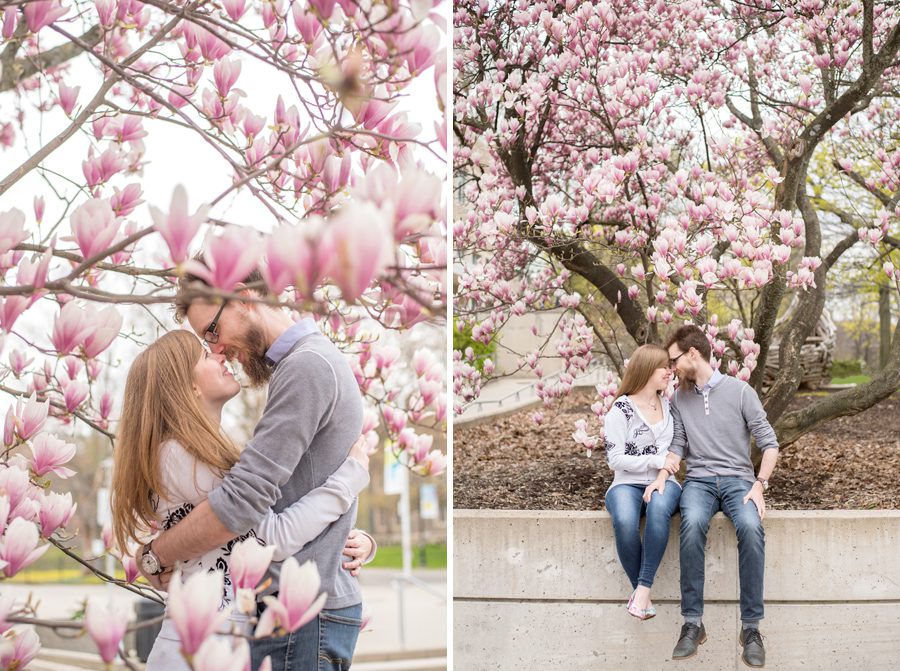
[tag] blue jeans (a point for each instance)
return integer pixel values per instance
(626, 507)
(325, 644)
(703, 498)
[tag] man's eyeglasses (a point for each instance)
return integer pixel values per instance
(211, 335)
(671, 361)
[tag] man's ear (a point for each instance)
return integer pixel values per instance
(245, 293)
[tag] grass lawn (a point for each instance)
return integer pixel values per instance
(391, 556)
(55, 567)
(852, 379)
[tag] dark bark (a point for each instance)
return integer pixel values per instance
(848, 402)
(884, 325)
(17, 70)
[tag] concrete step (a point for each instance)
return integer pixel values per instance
(419, 664)
(51, 659)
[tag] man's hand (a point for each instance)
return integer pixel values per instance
(657, 485)
(672, 463)
(756, 495)
(158, 582)
(358, 548)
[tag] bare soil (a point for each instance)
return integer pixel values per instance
(510, 463)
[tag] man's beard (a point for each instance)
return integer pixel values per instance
(253, 346)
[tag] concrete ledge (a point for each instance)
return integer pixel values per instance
(544, 589)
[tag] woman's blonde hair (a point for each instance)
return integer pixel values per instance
(645, 360)
(159, 405)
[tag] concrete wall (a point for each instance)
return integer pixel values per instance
(545, 590)
(516, 335)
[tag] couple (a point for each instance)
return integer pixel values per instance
(709, 424)
(293, 485)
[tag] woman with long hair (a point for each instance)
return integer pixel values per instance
(170, 453)
(639, 429)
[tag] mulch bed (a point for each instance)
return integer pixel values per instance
(510, 463)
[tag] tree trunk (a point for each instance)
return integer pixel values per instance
(884, 323)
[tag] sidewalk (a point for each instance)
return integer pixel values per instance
(425, 614)
(507, 395)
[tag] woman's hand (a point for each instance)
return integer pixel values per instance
(657, 485)
(360, 451)
(358, 547)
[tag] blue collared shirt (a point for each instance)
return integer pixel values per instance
(286, 341)
(714, 379)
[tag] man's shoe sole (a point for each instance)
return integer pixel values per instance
(752, 666)
(699, 643)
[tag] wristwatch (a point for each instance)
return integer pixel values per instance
(765, 483)
(150, 563)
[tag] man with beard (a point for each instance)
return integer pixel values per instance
(312, 417)
(720, 414)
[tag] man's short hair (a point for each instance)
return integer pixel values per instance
(690, 336)
(186, 293)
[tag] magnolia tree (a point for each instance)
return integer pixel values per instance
(327, 157)
(642, 164)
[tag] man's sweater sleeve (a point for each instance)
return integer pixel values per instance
(302, 397)
(757, 422)
(679, 437)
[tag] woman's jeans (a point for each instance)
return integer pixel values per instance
(703, 498)
(626, 505)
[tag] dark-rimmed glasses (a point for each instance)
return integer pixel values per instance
(211, 335)
(672, 362)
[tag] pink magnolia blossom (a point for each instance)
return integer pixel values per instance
(12, 229)
(323, 8)
(222, 654)
(21, 648)
(295, 258)
(248, 563)
(229, 257)
(68, 96)
(14, 481)
(42, 13)
(70, 328)
(234, 8)
(298, 600)
(18, 361)
(306, 23)
(105, 326)
(39, 208)
(106, 624)
(130, 567)
(100, 169)
(11, 307)
(194, 608)
(226, 73)
(178, 228)
(125, 200)
(4, 517)
(74, 394)
(105, 10)
(357, 240)
(55, 512)
(34, 271)
(94, 225)
(30, 417)
(10, 20)
(49, 455)
(19, 546)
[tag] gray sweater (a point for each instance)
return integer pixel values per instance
(312, 417)
(718, 421)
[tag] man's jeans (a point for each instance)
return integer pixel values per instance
(626, 505)
(701, 499)
(325, 644)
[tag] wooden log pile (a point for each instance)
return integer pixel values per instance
(816, 355)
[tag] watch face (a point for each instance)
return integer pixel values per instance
(149, 564)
